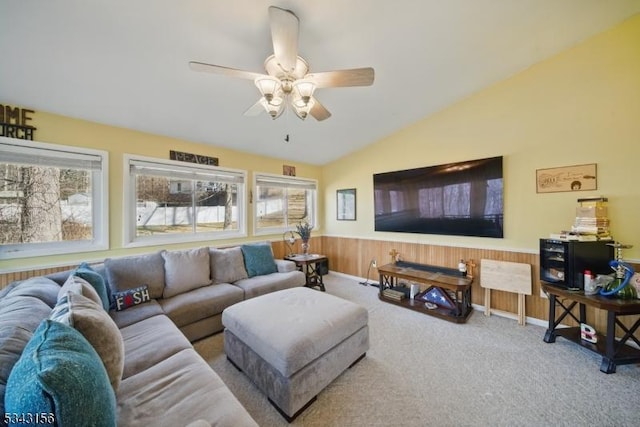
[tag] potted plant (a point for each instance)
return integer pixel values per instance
(304, 231)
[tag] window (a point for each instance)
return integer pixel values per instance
(53, 199)
(171, 201)
(281, 202)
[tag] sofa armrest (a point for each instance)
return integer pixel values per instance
(285, 266)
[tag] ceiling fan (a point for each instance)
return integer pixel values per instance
(288, 81)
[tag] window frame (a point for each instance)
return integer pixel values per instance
(99, 197)
(282, 179)
(130, 239)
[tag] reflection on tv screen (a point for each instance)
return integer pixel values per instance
(462, 199)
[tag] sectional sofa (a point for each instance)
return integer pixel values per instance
(139, 325)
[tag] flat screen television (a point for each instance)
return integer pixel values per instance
(461, 199)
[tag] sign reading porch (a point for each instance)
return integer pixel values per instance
(14, 122)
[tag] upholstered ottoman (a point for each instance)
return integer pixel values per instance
(293, 343)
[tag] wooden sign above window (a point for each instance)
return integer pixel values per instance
(14, 122)
(193, 158)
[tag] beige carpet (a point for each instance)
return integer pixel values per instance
(424, 371)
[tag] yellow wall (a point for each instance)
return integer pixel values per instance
(117, 141)
(581, 106)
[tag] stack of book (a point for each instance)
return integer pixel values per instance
(395, 295)
(591, 223)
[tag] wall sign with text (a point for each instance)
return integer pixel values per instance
(14, 122)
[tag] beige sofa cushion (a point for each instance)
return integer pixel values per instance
(260, 285)
(179, 390)
(185, 270)
(190, 307)
(149, 342)
(22, 308)
(136, 313)
(89, 318)
(227, 265)
(78, 285)
(131, 272)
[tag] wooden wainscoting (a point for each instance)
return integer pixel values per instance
(7, 278)
(353, 256)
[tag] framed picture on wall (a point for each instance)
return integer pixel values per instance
(567, 178)
(346, 204)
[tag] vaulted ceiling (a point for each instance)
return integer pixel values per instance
(125, 63)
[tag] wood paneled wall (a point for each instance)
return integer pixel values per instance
(353, 256)
(7, 278)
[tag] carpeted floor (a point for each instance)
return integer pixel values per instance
(424, 371)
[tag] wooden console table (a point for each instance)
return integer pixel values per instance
(613, 352)
(448, 280)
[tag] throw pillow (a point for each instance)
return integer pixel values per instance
(97, 327)
(96, 280)
(130, 297)
(129, 272)
(60, 373)
(227, 265)
(185, 270)
(258, 260)
(19, 317)
(41, 288)
(78, 285)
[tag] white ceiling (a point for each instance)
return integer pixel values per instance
(124, 62)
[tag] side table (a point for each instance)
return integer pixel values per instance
(614, 352)
(308, 264)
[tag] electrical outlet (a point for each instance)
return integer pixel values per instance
(374, 263)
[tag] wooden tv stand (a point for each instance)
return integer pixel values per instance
(448, 280)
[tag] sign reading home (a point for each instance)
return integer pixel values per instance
(14, 122)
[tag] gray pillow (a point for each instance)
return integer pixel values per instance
(227, 265)
(185, 270)
(78, 285)
(88, 317)
(131, 272)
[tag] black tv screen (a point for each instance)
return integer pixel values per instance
(461, 199)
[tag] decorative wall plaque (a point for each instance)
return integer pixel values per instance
(14, 122)
(567, 178)
(193, 158)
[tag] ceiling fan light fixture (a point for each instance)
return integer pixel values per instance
(288, 83)
(277, 100)
(302, 111)
(274, 111)
(268, 86)
(303, 89)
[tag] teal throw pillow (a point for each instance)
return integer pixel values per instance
(97, 281)
(258, 260)
(61, 377)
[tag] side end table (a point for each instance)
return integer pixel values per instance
(309, 265)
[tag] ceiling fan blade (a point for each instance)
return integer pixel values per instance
(284, 35)
(218, 69)
(256, 109)
(343, 78)
(319, 112)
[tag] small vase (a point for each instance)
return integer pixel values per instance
(305, 248)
